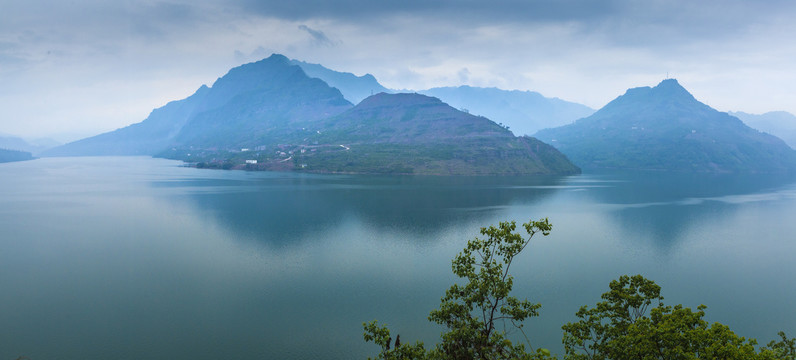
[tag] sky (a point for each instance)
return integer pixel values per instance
(70, 69)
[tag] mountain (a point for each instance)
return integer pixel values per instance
(247, 105)
(354, 88)
(10, 142)
(524, 112)
(418, 134)
(148, 137)
(781, 124)
(270, 115)
(666, 128)
(14, 155)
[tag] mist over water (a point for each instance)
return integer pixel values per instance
(132, 258)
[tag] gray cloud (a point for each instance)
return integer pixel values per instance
(470, 10)
(104, 64)
(623, 22)
(318, 37)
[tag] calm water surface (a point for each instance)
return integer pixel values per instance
(139, 258)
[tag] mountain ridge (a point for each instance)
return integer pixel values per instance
(354, 88)
(271, 115)
(176, 122)
(666, 128)
(417, 134)
(524, 112)
(781, 124)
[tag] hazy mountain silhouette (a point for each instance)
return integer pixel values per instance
(666, 128)
(524, 112)
(260, 103)
(10, 142)
(354, 88)
(145, 138)
(271, 115)
(781, 124)
(251, 101)
(14, 155)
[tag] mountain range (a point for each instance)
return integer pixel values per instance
(418, 134)
(666, 128)
(354, 88)
(524, 112)
(271, 115)
(245, 107)
(282, 114)
(10, 142)
(781, 124)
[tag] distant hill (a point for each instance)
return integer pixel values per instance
(665, 128)
(14, 155)
(397, 134)
(148, 137)
(524, 112)
(781, 124)
(392, 134)
(354, 88)
(249, 104)
(11, 142)
(271, 115)
(418, 134)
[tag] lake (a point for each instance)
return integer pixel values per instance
(140, 258)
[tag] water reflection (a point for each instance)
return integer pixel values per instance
(281, 209)
(135, 258)
(662, 207)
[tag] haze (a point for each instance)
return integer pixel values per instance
(70, 70)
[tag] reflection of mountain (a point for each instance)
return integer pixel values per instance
(284, 208)
(663, 206)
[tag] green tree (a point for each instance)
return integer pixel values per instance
(477, 313)
(618, 328)
(630, 323)
(785, 349)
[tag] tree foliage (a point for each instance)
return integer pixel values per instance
(619, 328)
(631, 322)
(479, 313)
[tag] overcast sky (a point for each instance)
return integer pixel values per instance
(76, 68)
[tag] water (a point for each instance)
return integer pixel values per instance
(138, 258)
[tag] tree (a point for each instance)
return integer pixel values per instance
(618, 328)
(630, 323)
(478, 312)
(785, 349)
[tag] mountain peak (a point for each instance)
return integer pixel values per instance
(277, 58)
(664, 95)
(666, 128)
(671, 87)
(669, 82)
